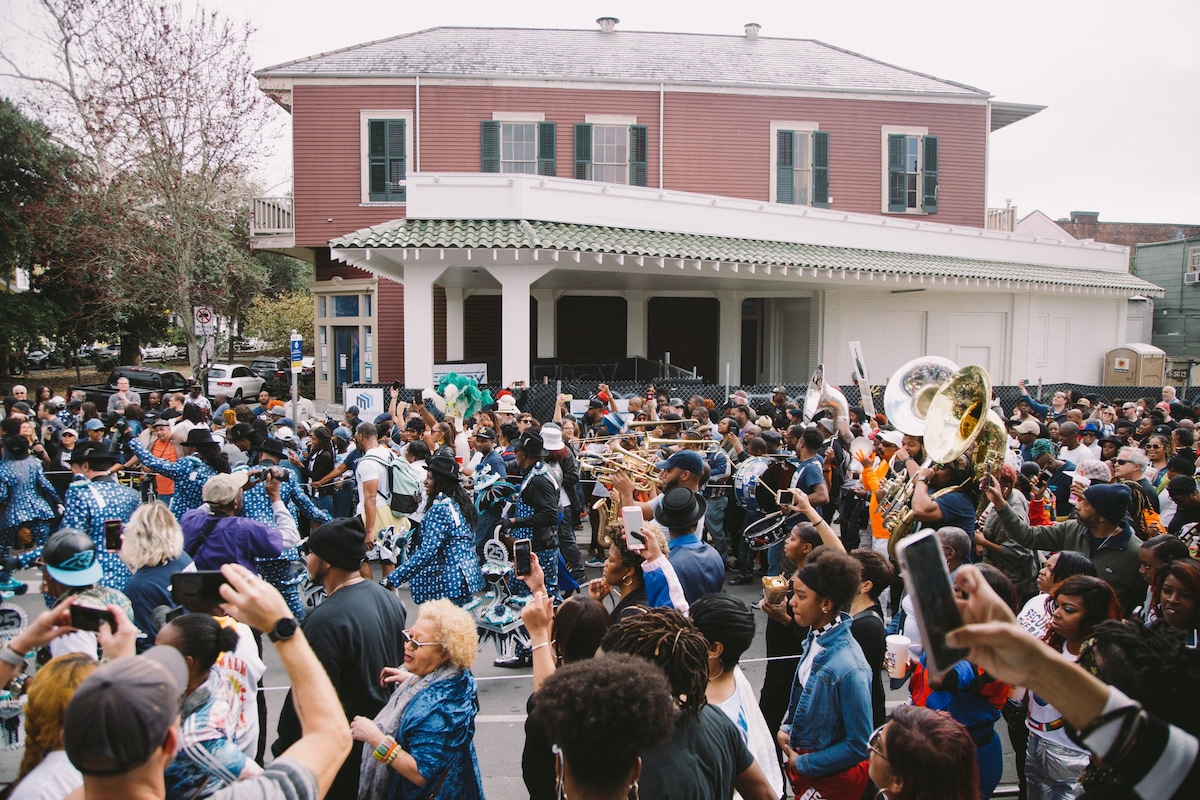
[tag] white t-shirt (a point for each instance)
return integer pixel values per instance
(53, 779)
(1034, 617)
(369, 468)
(242, 669)
(1079, 453)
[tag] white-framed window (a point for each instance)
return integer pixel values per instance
(799, 164)
(1194, 259)
(611, 149)
(910, 171)
(386, 144)
(519, 142)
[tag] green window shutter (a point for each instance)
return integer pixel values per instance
(583, 151)
(397, 159)
(929, 176)
(896, 180)
(785, 165)
(377, 156)
(637, 155)
(547, 163)
(820, 151)
(489, 146)
(387, 160)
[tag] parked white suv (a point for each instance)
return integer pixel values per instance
(233, 380)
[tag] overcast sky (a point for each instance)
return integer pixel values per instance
(1120, 79)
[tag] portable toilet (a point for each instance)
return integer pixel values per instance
(1135, 364)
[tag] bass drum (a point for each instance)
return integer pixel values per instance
(757, 481)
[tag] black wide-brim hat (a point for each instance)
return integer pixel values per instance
(199, 436)
(531, 444)
(680, 508)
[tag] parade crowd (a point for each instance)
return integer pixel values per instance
(612, 532)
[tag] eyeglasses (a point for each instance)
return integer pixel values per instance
(409, 640)
(874, 742)
(1154, 447)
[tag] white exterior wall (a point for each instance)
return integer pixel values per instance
(1026, 335)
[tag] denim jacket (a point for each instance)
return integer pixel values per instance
(830, 717)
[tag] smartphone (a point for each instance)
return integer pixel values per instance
(927, 579)
(198, 591)
(567, 398)
(395, 386)
(522, 555)
(88, 618)
(634, 538)
(112, 534)
(418, 397)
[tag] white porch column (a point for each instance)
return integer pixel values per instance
(454, 323)
(547, 321)
(636, 336)
(729, 351)
(515, 281)
(418, 322)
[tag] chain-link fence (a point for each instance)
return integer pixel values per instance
(539, 399)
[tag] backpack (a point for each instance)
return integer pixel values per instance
(404, 487)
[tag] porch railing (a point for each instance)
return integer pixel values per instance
(271, 216)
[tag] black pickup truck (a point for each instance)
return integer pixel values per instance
(142, 380)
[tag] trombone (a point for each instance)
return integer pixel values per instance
(710, 445)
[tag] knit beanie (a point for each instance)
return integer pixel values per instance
(1111, 500)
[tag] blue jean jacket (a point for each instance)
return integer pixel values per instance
(830, 716)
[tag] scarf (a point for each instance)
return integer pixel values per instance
(373, 780)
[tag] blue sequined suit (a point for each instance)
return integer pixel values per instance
(438, 731)
(189, 474)
(444, 564)
(25, 500)
(285, 572)
(89, 504)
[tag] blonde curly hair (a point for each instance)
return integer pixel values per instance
(152, 537)
(456, 630)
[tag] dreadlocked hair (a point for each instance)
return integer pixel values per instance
(665, 637)
(1153, 665)
(1139, 504)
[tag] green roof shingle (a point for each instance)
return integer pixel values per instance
(529, 234)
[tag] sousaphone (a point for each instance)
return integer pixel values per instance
(910, 390)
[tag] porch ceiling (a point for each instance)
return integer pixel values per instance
(583, 257)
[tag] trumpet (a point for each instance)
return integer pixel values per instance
(711, 445)
(642, 482)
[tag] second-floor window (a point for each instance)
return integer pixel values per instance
(800, 159)
(912, 172)
(386, 144)
(611, 151)
(521, 143)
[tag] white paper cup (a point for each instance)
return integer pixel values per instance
(896, 658)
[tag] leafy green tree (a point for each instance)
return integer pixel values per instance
(273, 318)
(158, 95)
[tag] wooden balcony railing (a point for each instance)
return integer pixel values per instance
(271, 216)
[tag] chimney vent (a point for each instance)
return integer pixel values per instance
(752, 29)
(607, 24)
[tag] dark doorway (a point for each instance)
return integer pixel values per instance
(592, 328)
(688, 328)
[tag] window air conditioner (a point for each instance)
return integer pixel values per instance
(1190, 278)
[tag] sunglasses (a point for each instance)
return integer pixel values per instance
(1122, 461)
(874, 742)
(1154, 447)
(408, 639)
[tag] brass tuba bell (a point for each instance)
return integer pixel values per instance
(957, 414)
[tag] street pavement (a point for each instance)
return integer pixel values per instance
(500, 725)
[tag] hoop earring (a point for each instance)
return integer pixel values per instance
(561, 772)
(634, 788)
(712, 677)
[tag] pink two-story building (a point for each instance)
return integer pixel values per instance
(746, 204)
